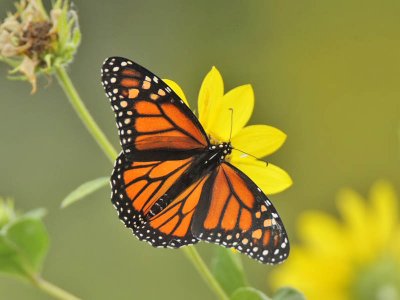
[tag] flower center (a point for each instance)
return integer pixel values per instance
(38, 37)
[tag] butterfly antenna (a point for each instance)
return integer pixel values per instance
(230, 134)
(248, 154)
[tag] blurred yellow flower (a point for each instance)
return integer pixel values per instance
(215, 114)
(357, 258)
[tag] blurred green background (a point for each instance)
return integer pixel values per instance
(325, 72)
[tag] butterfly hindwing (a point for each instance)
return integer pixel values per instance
(223, 207)
(137, 188)
(173, 224)
(235, 213)
(150, 116)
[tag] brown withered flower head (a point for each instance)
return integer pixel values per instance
(34, 42)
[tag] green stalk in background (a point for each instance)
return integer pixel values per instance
(83, 113)
(52, 289)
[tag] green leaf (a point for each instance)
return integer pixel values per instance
(288, 293)
(228, 270)
(23, 246)
(85, 189)
(248, 293)
(9, 260)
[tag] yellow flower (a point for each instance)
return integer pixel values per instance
(215, 114)
(357, 258)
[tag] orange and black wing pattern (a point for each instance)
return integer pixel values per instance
(170, 186)
(150, 116)
(139, 190)
(173, 224)
(235, 213)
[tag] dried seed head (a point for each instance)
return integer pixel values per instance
(34, 43)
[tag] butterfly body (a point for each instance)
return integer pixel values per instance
(204, 163)
(170, 185)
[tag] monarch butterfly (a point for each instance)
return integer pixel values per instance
(170, 185)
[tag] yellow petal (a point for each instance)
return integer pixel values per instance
(383, 212)
(360, 227)
(304, 269)
(177, 89)
(241, 101)
(259, 140)
(395, 246)
(325, 247)
(211, 92)
(270, 178)
(320, 231)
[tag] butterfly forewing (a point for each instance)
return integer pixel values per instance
(149, 115)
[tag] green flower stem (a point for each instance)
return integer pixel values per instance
(109, 150)
(52, 289)
(84, 114)
(198, 262)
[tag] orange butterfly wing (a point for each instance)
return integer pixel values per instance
(235, 213)
(154, 186)
(138, 188)
(149, 115)
(173, 224)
